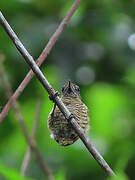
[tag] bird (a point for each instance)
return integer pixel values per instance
(61, 129)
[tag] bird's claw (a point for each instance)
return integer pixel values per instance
(71, 116)
(52, 97)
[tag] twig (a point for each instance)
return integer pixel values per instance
(26, 161)
(28, 153)
(28, 58)
(40, 60)
(37, 114)
(19, 117)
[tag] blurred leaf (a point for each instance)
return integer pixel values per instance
(11, 174)
(119, 176)
(125, 156)
(60, 175)
(105, 104)
(130, 75)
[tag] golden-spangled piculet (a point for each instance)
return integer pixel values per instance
(61, 129)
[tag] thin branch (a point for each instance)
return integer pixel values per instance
(37, 114)
(28, 153)
(28, 58)
(19, 117)
(40, 60)
(26, 161)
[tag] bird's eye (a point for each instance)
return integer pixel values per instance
(62, 89)
(77, 88)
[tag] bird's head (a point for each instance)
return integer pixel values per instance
(71, 90)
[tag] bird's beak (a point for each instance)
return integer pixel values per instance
(70, 88)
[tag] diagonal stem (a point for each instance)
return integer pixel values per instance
(31, 143)
(40, 60)
(28, 153)
(28, 58)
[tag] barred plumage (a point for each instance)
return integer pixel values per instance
(62, 131)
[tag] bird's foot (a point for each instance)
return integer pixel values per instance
(71, 116)
(52, 97)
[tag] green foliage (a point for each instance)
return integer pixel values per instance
(60, 176)
(11, 174)
(106, 101)
(120, 176)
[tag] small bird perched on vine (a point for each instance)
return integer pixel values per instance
(61, 129)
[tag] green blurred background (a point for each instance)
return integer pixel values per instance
(96, 51)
